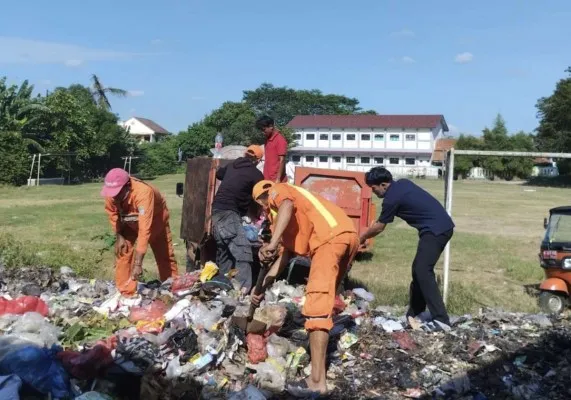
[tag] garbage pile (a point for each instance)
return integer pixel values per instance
(69, 337)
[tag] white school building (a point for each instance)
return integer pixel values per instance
(404, 144)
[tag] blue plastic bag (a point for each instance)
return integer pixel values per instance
(251, 233)
(39, 368)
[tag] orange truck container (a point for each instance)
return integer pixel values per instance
(347, 189)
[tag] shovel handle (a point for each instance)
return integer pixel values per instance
(258, 288)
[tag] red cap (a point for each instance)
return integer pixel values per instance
(114, 182)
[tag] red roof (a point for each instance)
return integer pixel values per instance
(368, 121)
(441, 147)
(152, 125)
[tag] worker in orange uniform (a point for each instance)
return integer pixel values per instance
(138, 213)
(309, 225)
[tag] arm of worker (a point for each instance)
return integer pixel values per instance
(113, 213)
(281, 170)
(276, 269)
(221, 172)
(145, 203)
(282, 152)
(387, 216)
(285, 212)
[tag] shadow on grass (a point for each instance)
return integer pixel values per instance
(364, 257)
(563, 181)
(532, 289)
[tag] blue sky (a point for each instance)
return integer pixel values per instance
(181, 59)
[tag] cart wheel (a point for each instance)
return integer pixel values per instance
(552, 302)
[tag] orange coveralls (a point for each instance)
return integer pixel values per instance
(142, 217)
(322, 230)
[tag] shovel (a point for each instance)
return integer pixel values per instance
(249, 324)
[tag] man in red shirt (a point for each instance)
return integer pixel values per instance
(275, 150)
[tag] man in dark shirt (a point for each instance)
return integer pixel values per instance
(231, 203)
(422, 211)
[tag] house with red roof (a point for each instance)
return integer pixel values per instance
(404, 144)
(144, 129)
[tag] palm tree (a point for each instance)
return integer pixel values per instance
(99, 93)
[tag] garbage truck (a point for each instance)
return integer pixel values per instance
(345, 188)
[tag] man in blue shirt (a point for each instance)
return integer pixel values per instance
(422, 211)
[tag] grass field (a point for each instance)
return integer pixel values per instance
(493, 253)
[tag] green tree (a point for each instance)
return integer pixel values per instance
(159, 158)
(197, 140)
(554, 113)
(283, 103)
(100, 93)
(14, 159)
(236, 121)
(463, 164)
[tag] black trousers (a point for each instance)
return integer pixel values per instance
(423, 288)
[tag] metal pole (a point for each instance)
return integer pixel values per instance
(39, 165)
(130, 161)
(32, 169)
(448, 202)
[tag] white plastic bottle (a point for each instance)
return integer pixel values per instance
(218, 145)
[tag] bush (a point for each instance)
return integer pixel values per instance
(158, 158)
(14, 159)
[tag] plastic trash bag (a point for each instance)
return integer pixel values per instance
(88, 365)
(35, 328)
(278, 346)
(249, 393)
(151, 312)
(251, 233)
(22, 305)
(184, 282)
(39, 368)
(205, 317)
(257, 351)
(363, 294)
(10, 387)
(184, 341)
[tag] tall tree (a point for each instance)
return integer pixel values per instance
(283, 103)
(100, 93)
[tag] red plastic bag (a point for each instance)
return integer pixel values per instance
(257, 351)
(185, 281)
(150, 312)
(22, 305)
(88, 365)
(339, 305)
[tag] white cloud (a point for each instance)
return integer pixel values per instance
(156, 42)
(463, 58)
(15, 50)
(404, 33)
(73, 63)
(135, 93)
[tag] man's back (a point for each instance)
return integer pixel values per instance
(417, 207)
(235, 191)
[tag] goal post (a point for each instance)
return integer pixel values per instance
(448, 190)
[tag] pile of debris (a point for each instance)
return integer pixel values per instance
(69, 337)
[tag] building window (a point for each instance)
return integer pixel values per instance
(351, 136)
(365, 160)
(410, 138)
(379, 160)
(297, 136)
(336, 136)
(309, 158)
(323, 159)
(379, 137)
(350, 160)
(310, 136)
(295, 159)
(324, 136)
(394, 138)
(394, 161)
(365, 137)
(410, 161)
(336, 159)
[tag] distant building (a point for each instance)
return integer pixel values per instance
(404, 144)
(143, 129)
(544, 167)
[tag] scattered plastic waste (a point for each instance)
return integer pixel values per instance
(175, 338)
(22, 305)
